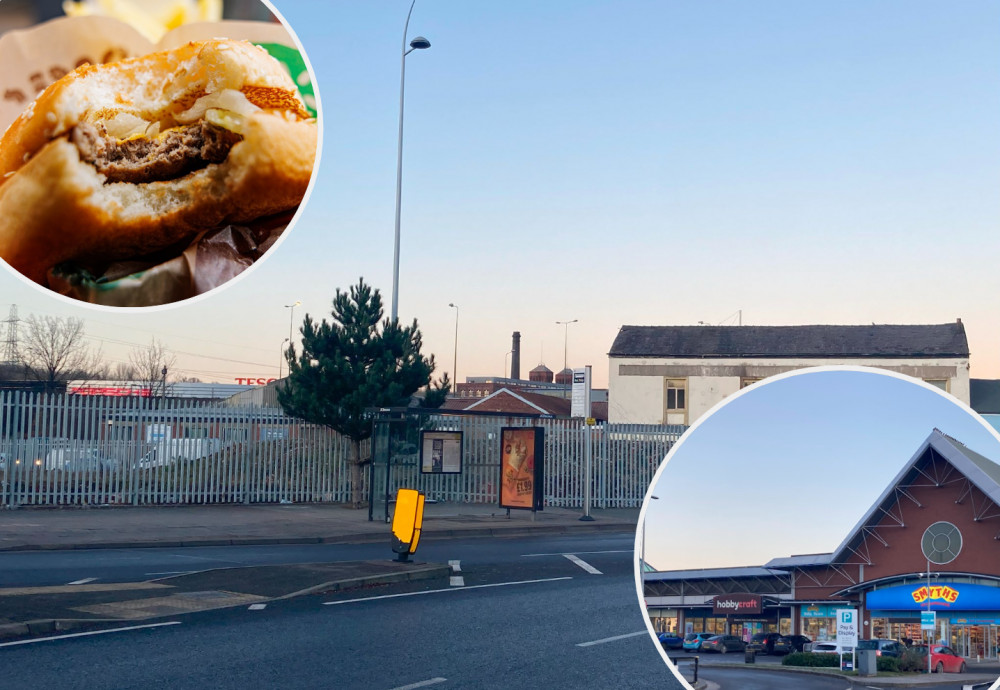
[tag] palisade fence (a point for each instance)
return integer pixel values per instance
(60, 450)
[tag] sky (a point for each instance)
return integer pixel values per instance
(790, 466)
(629, 162)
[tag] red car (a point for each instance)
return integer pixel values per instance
(943, 659)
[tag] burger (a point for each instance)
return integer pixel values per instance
(123, 160)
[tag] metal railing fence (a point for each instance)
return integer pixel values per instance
(80, 450)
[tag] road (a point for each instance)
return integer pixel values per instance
(522, 614)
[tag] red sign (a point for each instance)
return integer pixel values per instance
(117, 391)
(244, 381)
(737, 603)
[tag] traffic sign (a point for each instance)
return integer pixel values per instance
(928, 620)
(847, 627)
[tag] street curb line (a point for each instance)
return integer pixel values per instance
(356, 538)
(425, 573)
(872, 681)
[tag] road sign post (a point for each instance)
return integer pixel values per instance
(847, 632)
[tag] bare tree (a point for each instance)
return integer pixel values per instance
(122, 371)
(55, 350)
(151, 364)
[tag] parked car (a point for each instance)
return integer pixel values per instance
(943, 659)
(883, 647)
(723, 644)
(790, 643)
(763, 643)
(692, 641)
(670, 640)
(829, 648)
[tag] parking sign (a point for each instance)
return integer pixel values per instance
(847, 627)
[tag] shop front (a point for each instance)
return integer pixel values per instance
(819, 621)
(967, 614)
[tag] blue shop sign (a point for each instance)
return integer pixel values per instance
(955, 596)
(821, 610)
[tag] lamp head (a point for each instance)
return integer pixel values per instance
(420, 43)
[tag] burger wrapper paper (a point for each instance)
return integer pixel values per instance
(34, 58)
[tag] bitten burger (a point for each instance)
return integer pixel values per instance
(118, 161)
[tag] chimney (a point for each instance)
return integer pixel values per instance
(515, 357)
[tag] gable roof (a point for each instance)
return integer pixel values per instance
(943, 340)
(506, 400)
(982, 472)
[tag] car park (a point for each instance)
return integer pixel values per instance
(787, 644)
(883, 647)
(723, 644)
(692, 641)
(669, 640)
(943, 659)
(763, 643)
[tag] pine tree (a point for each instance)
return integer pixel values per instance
(356, 362)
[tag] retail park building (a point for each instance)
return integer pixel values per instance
(946, 497)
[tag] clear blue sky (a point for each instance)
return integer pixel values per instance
(790, 466)
(628, 162)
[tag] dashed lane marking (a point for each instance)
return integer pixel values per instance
(456, 581)
(258, 607)
(456, 566)
(583, 564)
(421, 684)
(87, 634)
(563, 553)
(82, 582)
(438, 591)
(611, 639)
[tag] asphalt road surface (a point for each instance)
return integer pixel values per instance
(529, 612)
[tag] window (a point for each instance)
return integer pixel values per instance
(676, 394)
(938, 383)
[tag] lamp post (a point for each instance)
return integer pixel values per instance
(509, 353)
(642, 552)
(291, 317)
(281, 355)
(566, 341)
(418, 43)
(454, 364)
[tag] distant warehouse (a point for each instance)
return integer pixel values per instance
(674, 374)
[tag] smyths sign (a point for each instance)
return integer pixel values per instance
(737, 603)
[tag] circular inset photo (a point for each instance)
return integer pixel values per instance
(151, 151)
(826, 525)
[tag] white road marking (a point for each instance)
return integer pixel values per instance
(535, 555)
(83, 581)
(421, 684)
(438, 591)
(456, 581)
(174, 572)
(456, 566)
(258, 607)
(611, 639)
(583, 564)
(87, 634)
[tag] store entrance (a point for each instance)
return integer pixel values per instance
(974, 641)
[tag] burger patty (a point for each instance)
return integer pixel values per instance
(175, 153)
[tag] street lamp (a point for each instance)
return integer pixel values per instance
(418, 43)
(509, 353)
(642, 556)
(454, 365)
(291, 317)
(281, 355)
(566, 341)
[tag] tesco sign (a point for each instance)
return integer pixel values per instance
(250, 381)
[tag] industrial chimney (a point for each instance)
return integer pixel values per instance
(515, 357)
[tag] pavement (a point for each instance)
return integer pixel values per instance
(32, 611)
(985, 671)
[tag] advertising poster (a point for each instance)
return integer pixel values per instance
(521, 464)
(441, 452)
